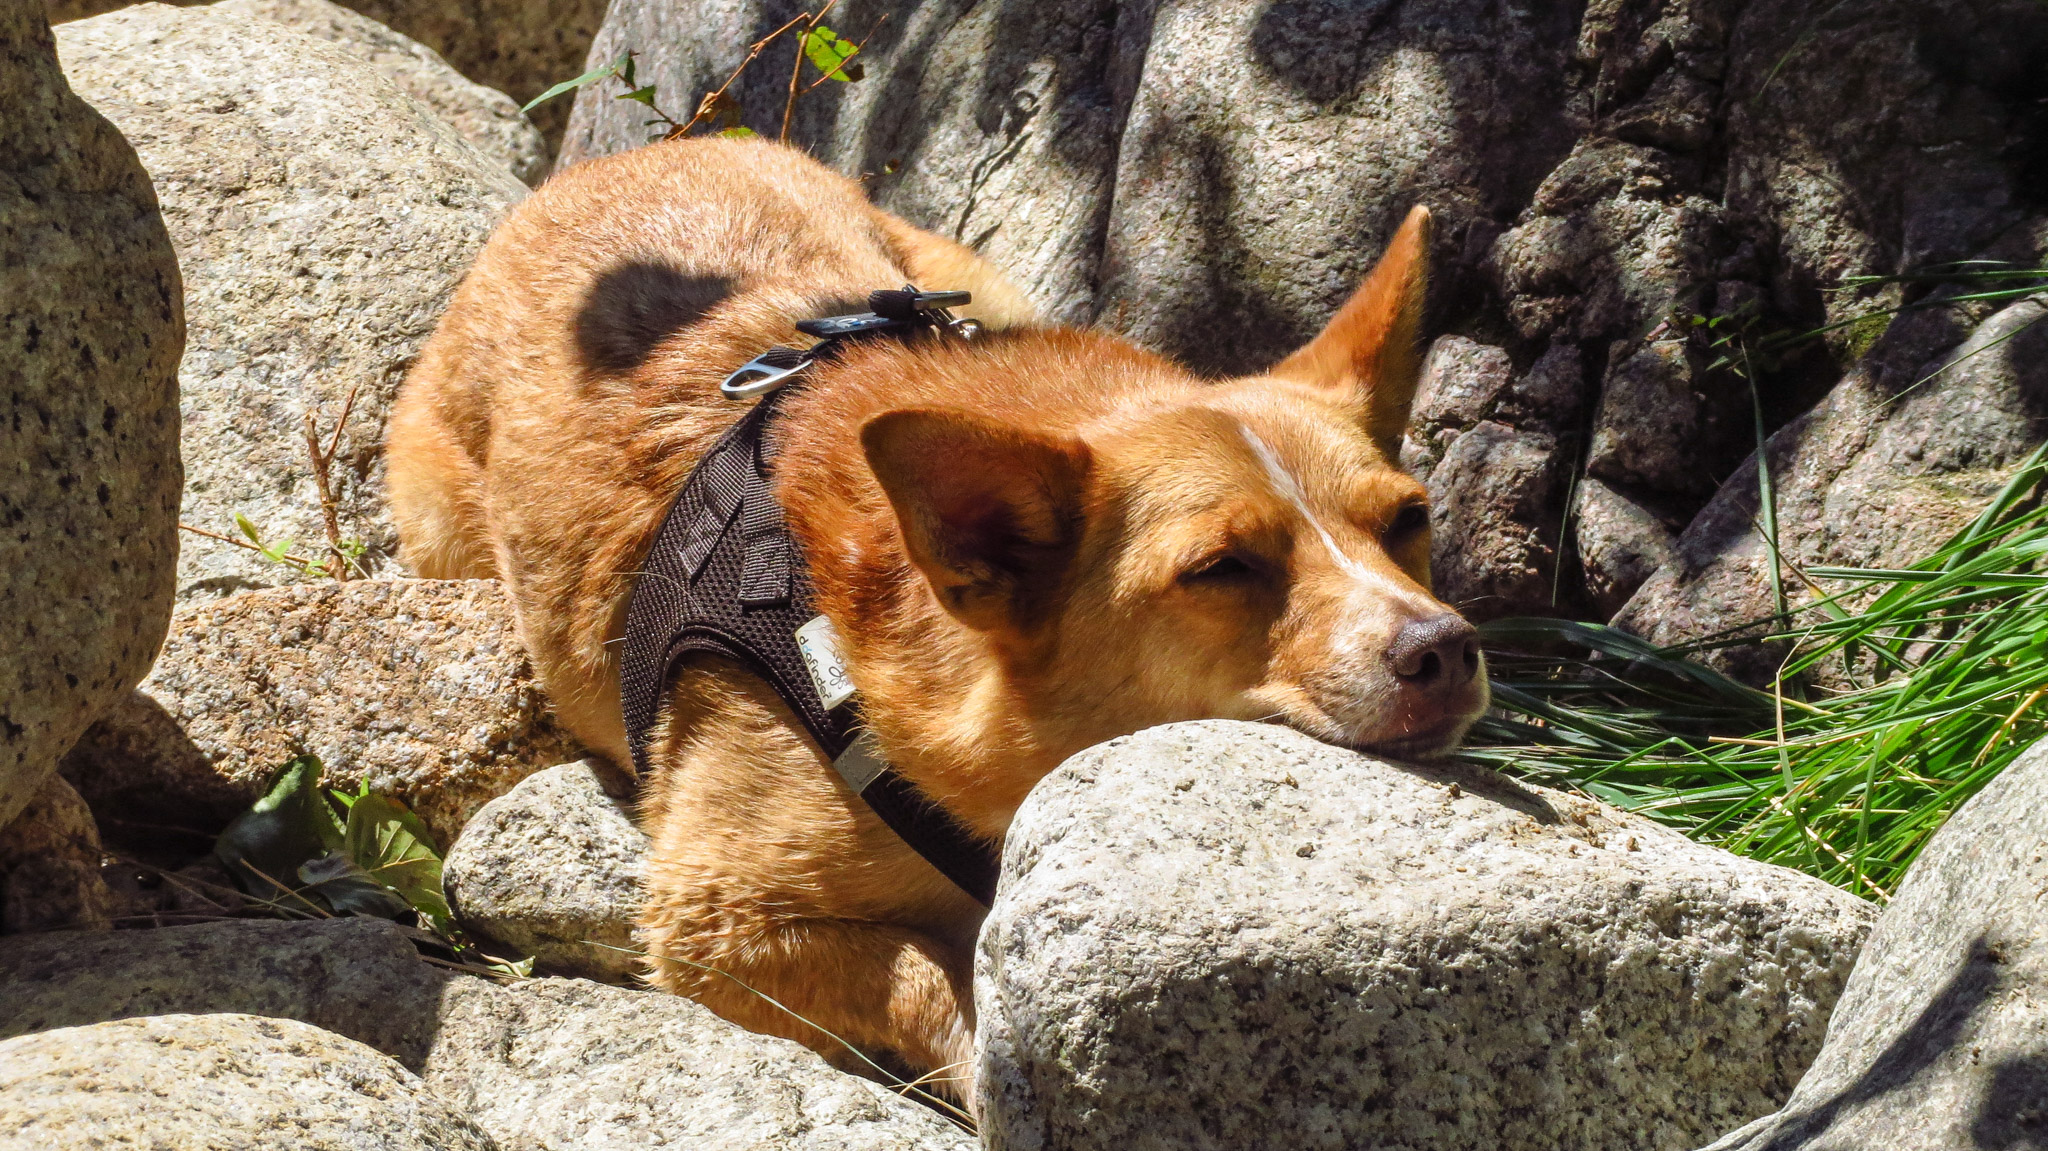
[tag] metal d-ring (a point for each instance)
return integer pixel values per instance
(760, 375)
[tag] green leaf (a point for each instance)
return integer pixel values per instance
(643, 95)
(349, 889)
(391, 845)
(248, 528)
(276, 552)
(291, 824)
(829, 53)
(739, 133)
(588, 78)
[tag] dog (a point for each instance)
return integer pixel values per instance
(1030, 542)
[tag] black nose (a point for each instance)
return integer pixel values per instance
(1436, 654)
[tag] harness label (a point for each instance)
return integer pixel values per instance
(819, 644)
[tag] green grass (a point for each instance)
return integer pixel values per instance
(1941, 680)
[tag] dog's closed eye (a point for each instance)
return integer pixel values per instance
(1410, 519)
(1221, 569)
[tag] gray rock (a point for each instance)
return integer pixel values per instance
(510, 46)
(1494, 524)
(419, 688)
(1922, 433)
(50, 866)
(217, 1081)
(322, 217)
(551, 869)
(567, 1063)
(539, 1064)
(90, 331)
(1460, 385)
(1621, 544)
(1940, 1041)
(1229, 935)
(485, 117)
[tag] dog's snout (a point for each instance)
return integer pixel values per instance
(1440, 653)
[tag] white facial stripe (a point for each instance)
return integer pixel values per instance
(1284, 482)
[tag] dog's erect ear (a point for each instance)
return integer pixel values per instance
(1367, 353)
(990, 514)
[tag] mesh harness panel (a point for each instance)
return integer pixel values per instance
(725, 578)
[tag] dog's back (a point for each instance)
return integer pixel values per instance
(573, 382)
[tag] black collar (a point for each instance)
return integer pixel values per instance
(724, 577)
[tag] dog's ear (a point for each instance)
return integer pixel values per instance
(990, 514)
(1367, 353)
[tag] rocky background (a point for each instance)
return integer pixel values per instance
(225, 230)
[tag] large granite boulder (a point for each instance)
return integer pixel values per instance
(419, 688)
(1229, 935)
(90, 332)
(1940, 1041)
(322, 217)
(513, 46)
(217, 1081)
(551, 869)
(550, 1063)
(486, 117)
(1213, 179)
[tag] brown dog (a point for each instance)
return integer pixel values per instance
(1030, 543)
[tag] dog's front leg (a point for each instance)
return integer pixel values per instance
(869, 998)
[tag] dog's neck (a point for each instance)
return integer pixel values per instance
(971, 721)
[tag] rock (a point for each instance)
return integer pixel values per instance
(568, 1063)
(485, 117)
(1228, 935)
(1921, 434)
(217, 1081)
(1494, 533)
(538, 1064)
(517, 48)
(419, 688)
(360, 978)
(1621, 544)
(551, 869)
(1212, 179)
(90, 332)
(1940, 1041)
(322, 218)
(50, 866)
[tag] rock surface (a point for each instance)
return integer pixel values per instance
(90, 331)
(1229, 935)
(1214, 178)
(1940, 1041)
(50, 866)
(513, 46)
(551, 869)
(1922, 433)
(486, 117)
(552, 1063)
(321, 217)
(420, 688)
(217, 1081)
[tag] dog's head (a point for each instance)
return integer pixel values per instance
(1245, 549)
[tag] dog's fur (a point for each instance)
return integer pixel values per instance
(1030, 543)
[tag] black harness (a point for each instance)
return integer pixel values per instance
(724, 578)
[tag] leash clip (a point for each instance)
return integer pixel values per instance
(764, 373)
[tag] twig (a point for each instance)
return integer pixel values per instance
(337, 560)
(796, 68)
(710, 101)
(289, 557)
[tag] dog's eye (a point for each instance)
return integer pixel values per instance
(1410, 519)
(1226, 568)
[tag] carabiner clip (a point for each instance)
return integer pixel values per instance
(764, 373)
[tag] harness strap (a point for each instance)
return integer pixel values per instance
(724, 577)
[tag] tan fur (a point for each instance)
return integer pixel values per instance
(1016, 537)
